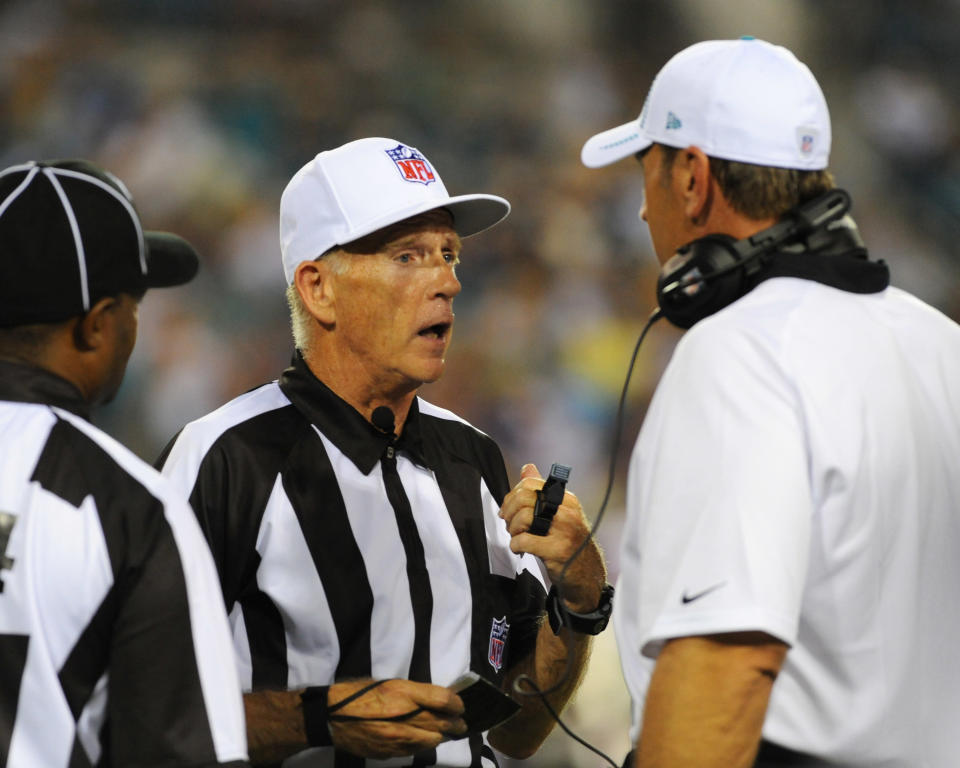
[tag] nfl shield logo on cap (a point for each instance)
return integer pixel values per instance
(807, 140)
(349, 192)
(412, 165)
(498, 641)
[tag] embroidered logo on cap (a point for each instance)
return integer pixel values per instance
(498, 641)
(807, 140)
(673, 122)
(412, 165)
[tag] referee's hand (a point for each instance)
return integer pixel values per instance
(372, 734)
(586, 576)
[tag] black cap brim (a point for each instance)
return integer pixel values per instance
(171, 260)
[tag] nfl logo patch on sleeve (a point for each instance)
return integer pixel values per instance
(498, 641)
(412, 165)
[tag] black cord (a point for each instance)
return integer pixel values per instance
(355, 718)
(355, 695)
(563, 725)
(611, 475)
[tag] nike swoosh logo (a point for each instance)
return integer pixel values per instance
(697, 595)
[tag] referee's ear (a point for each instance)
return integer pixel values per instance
(314, 282)
(90, 328)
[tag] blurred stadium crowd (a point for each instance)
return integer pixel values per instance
(205, 109)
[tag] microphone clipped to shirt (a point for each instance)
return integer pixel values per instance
(383, 419)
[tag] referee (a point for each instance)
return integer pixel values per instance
(365, 537)
(113, 642)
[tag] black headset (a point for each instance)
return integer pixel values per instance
(816, 241)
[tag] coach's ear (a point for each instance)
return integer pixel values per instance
(314, 281)
(691, 174)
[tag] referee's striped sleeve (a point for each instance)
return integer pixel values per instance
(174, 694)
(226, 484)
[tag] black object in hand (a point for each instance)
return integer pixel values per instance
(484, 704)
(549, 498)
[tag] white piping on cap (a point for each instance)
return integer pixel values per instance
(123, 201)
(78, 242)
(23, 184)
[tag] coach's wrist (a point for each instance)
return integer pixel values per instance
(316, 716)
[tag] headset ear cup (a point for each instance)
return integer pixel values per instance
(686, 292)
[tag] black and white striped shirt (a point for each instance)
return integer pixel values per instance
(341, 557)
(113, 641)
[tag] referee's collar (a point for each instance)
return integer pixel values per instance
(342, 424)
(25, 383)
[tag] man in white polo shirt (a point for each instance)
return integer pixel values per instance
(791, 559)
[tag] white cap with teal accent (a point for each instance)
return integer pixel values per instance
(745, 100)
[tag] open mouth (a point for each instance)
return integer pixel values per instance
(437, 331)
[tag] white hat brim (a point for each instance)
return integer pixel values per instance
(614, 144)
(475, 213)
(471, 214)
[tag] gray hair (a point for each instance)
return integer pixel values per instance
(301, 321)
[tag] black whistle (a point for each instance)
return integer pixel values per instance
(548, 499)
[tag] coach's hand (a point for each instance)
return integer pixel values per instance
(436, 719)
(586, 575)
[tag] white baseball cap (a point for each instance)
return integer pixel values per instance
(365, 185)
(745, 100)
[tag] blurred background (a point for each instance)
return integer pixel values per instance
(205, 109)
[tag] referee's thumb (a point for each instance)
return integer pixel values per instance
(529, 470)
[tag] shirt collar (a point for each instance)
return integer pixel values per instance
(342, 424)
(24, 383)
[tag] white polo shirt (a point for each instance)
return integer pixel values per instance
(798, 473)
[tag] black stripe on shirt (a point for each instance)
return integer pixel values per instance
(233, 486)
(266, 638)
(344, 760)
(89, 656)
(229, 497)
(13, 651)
(151, 605)
(80, 759)
(421, 595)
(488, 753)
(494, 596)
(344, 577)
(460, 488)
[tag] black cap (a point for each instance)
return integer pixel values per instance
(69, 236)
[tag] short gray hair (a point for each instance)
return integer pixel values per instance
(301, 321)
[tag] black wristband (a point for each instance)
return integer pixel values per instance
(592, 623)
(316, 716)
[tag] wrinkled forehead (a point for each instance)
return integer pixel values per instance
(438, 219)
